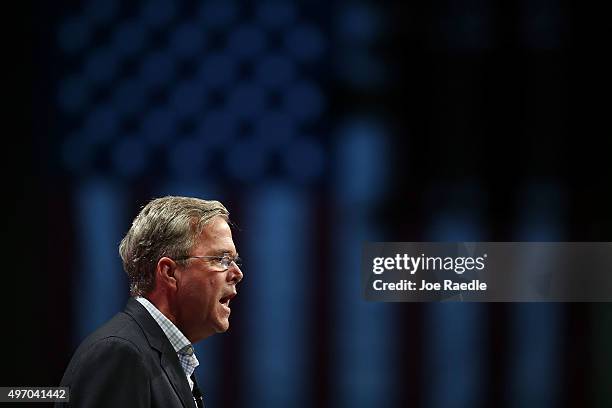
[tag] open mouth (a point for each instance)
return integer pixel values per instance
(225, 300)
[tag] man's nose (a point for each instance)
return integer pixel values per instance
(236, 273)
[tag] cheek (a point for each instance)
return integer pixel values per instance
(207, 290)
(215, 284)
(194, 291)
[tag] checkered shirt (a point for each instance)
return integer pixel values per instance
(182, 346)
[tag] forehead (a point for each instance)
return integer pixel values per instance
(216, 236)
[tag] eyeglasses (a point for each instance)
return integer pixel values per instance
(224, 260)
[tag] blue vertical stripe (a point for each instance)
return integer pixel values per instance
(536, 344)
(278, 281)
(455, 347)
(537, 327)
(455, 354)
(101, 288)
(363, 338)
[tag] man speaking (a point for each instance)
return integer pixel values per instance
(183, 269)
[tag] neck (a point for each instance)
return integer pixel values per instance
(162, 304)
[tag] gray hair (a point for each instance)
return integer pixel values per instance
(167, 226)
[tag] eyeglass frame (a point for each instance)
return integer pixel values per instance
(232, 260)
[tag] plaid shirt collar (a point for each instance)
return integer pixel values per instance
(181, 344)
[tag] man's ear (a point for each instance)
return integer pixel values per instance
(164, 273)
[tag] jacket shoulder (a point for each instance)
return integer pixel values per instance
(108, 371)
(120, 336)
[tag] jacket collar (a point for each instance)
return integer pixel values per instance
(158, 341)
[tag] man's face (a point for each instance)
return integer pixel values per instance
(204, 288)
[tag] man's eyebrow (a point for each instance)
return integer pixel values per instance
(221, 252)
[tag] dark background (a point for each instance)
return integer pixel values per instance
(416, 121)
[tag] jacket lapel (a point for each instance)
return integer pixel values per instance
(168, 359)
(176, 375)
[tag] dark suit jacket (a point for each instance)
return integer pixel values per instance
(128, 362)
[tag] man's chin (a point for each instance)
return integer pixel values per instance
(222, 326)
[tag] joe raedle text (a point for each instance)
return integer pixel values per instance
(447, 285)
